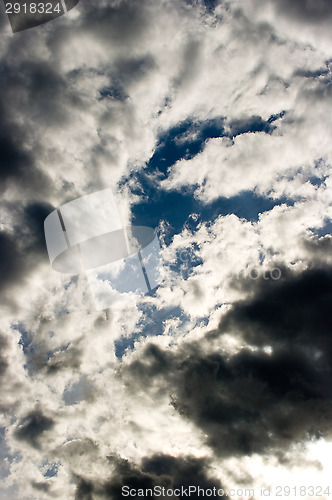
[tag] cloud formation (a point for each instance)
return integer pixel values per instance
(208, 120)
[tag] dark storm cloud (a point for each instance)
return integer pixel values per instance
(24, 249)
(11, 261)
(34, 216)
(16, 159)
(41, 90)
(33, 95)
(13, 157)
(294, 311)
(158, 470)
(46, 90)
(32, 427)
(255, 401)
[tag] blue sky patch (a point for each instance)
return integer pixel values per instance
(150, 325)
(185, 141)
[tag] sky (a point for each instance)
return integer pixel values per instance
(211, 123)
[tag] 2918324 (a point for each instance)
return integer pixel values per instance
(25, 14)
(33, 8)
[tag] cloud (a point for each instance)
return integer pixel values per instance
(11, 260)
(310, 12)
(269, 395)
(159, 470)
(3, 362)
(23, 245)
(292, 312)
(15, 155)
(210, 121)
(32, 427)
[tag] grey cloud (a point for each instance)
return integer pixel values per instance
(158, 470)
(293, 311)
(11, 261)
(255, 401)
(33, 219)
(41, 486)
(24, 249)
(310, 11)
(182, 471)
(46, 92)
(14, 158)
(32, 428)
(190, 63)
(84, 489)
(319, 249)
(39, 358)
(40, 90)
(124, 73)
(3, 362)
(119, 23)
(134, 69)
